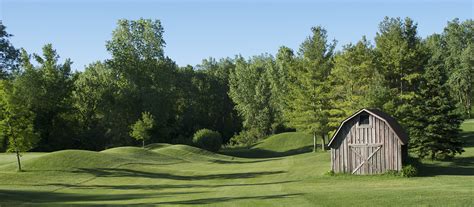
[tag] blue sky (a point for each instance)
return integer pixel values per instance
(199, 29)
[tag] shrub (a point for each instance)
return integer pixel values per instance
(409, 171)
(208, 140)
(330, 173)
(392, 173)
(246, 138)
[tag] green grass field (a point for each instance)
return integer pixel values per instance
(284, 174)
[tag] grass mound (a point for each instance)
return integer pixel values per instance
(69, 159)
(190, 153)
(289, 143)
(139, 154)
(8, 158)
(284, 144)
(157, 146)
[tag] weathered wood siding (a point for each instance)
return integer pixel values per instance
(353, 144)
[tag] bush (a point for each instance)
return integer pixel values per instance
(246, 138)
(392, 173)
(330, 173)
(409, 171)
(208, 140)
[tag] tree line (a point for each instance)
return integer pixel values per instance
(426, 83)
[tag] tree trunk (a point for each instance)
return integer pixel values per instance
(323, 143)
(314, 141)
(469, 107)
(17, 151)
(18, 160)
(143, 143)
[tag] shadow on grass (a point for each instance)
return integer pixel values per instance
(463, 166)
(118, 172)
(261, 153)
(427, 170)
(242, 162)
(10, 196)
(17, 197)
(456, 166)
(160, 186)
(203, 201)
(468, 138)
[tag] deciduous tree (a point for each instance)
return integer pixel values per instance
(140, 130)
(16, 121)
(8, 54)
(458, 51)
(308, 91)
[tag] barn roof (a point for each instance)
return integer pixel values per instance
(392, 123)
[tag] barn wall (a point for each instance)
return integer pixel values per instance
(389, 156)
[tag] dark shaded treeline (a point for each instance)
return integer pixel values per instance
(425, 82)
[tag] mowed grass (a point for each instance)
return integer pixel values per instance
(182, 175)
(284, 144)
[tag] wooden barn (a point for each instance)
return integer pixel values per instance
(368, 142)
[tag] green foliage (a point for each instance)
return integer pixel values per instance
(279, 80)
(47, 91)
(16, 121)
(401, 58)
(246, 138)
(412, 78)
(392, 173)
(417, 75)
(94, 97)
(140, 130)
(458, 49)
(145, 80)
(203, 100)
(356, 82)
(251, 92)
(330, 173)
(140, 39)
(8, 54)
(434, 126)
(308, 94)
(409, 171)
(208, 140)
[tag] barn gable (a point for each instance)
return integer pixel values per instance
(390, 121)
(368, 142)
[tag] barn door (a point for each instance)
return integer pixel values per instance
(363, 158)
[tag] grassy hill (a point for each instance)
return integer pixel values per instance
(163, 174)
(284, 144)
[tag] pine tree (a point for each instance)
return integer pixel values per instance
(434, 130)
